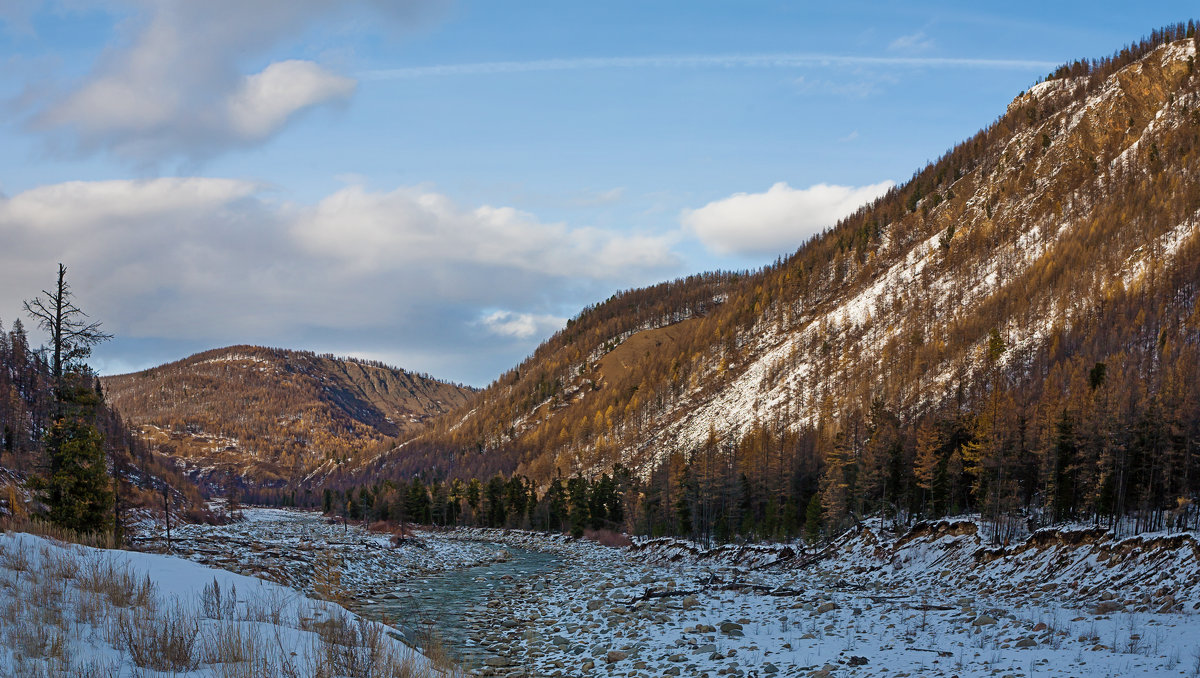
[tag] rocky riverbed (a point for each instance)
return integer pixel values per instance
(933, 604)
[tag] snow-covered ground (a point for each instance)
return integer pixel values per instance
(934, 602)
(69, 610)
(287, 547)
(930, 606)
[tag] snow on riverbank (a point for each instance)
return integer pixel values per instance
(288, 546)
(936, 601)
(74, 610)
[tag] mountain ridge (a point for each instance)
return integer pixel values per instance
(1046, 220)
(270, 416)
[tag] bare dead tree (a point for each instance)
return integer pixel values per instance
(71, 335)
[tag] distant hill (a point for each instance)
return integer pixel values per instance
(268, 416)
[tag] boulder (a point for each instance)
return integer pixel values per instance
(615, 656)
(730, 627)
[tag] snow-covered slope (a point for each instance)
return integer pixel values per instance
(1028, 228)
(73, 610)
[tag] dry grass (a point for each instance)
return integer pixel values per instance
(217, 605)
(607, 537)
(162, 642)
(41, 528)
(57, 598)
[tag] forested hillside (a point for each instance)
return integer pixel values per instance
(263, 416)
(1015, 330)
(27, 413)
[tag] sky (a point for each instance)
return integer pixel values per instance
(440, 184)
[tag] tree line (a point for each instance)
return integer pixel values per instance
(1084, 435)
(59, 436)
(571, 505)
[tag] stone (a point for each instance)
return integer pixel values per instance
(826, 607)
(615, 656)
(729, 627)
(984, 620)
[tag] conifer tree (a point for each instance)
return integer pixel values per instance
(77, 489)
(812, 519)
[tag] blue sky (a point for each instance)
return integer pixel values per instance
(441, 184)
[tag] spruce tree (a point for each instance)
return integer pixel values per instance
(77, 489)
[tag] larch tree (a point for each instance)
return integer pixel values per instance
(72, 336)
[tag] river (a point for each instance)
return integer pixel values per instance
(449, 602)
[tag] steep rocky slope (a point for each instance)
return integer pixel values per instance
(1065, 231)
(270, 415)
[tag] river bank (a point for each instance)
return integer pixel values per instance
(933, 603)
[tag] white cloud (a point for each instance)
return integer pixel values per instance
(179, 88)
(206, 261)
(912, 43)
(368, 230)
(266, 100)
(521, 325)
(776, 221)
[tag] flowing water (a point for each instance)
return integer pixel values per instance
(448, 602)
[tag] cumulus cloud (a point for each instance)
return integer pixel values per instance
(776, 221)
(368, 230)
(266, 100)
(521, 325)
(407, 273)
(180, 86)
